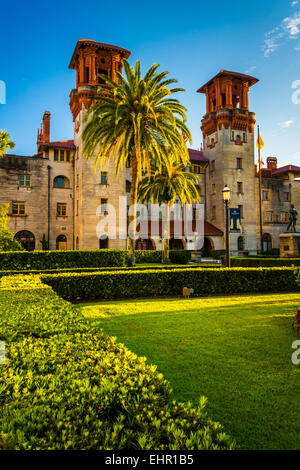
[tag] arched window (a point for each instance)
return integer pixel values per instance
(142, 244)
(61, 182)
(26, 239)
(61, 242)
(176, 244)
(103, 242)
(241, 244)
(267, 242)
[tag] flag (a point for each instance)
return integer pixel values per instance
(261, 162)
(184, 136)
(259, 143)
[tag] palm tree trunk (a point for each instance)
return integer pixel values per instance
(166, 237)
(132, 206)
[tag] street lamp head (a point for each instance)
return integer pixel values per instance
(226, 193)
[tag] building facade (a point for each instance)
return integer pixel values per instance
(57, 196)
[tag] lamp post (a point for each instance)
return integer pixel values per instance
(226, 199)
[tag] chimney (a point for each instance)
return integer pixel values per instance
(272, 163)
(46, 127)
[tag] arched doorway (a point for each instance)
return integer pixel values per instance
(61, 242)
(267, 242)
(26, 238)
(144, 244)
(176, 244)
(207, 248)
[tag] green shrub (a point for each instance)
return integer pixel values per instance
(251, 262)
(148, 256)
(180, 256)
(61, 259)
(217, 254)
(170, 282)
(67, 385)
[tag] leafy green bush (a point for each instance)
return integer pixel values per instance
(62, 259)
(170, 282)
(148, 256)
(216, 254)
(67, 385)
(251, 262)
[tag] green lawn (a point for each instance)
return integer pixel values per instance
(234, 350)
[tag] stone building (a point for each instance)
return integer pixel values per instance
(57, 194)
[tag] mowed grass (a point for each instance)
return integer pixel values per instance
(235, 350)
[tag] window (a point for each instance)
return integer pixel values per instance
(265, 195)
(241, 208)
(77, 207)
(103, 243)
(102, 72)
(77, 180)
(128, 186)
(269, 216)
(284, 217)
(244, 136)
(213, 189)
(60, 182)
(103, 206)
(18, 208)
(239, 163)
(213, 212)
(197, 169)
(286, 196)
(212, 165)
(62, 155)
(240, 188)
(238, 140)
(240, 243)
(103, 177)
(61, 209)
(25, 180)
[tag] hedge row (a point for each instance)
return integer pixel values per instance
(62, 259)
(153, 282)
(110, 268)
(237, 262)
(67, 385)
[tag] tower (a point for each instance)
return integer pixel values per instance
(228, 141)
(93, 190)
(44, 132)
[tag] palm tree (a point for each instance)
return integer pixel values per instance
(136, 120)
(5, 143)
(163, 186)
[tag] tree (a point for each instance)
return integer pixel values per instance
(7, 243)
(163, 186)
(5, 143)
(136, 120)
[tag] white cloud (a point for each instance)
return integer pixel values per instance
(294, 3)
(285, 124)
(251, 69)
(289, 28)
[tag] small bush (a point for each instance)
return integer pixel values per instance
(180, 256)
(147, 256)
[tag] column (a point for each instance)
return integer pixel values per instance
(229, 94)
(245, 103)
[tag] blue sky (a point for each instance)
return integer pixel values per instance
(193, 40)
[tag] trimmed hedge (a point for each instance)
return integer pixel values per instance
(251, 262)
(148, 256)
(61, 259)
(110, 268)
(168, 282)
(67, 385)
